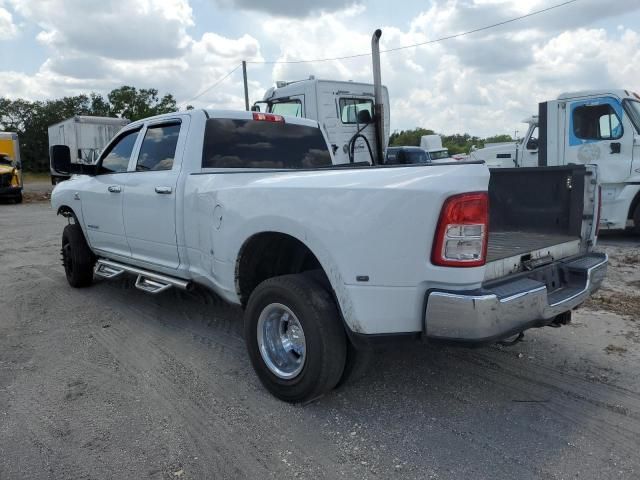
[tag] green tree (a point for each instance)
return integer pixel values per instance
(408, 137)
(30, 120)
(129, 102)
(456, 143)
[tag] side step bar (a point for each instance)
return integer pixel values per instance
(147, 281)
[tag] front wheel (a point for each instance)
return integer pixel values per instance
(77, 258)
(295, 337)
(18, 198)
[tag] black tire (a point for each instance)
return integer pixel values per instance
(636, 221)
(77, 258)
(326, 343)
(357, 364)
(18, 198)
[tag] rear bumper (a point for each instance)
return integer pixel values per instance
(507, 308)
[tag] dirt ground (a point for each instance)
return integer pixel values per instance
(109, 382)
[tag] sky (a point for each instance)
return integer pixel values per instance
(483, 83)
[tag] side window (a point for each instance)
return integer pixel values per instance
(596, 122)
(230, 143)
(158, 148)
(350, 107)
(116, 159)
(292, 108)
(532, 143)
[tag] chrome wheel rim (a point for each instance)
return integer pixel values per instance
(281, 341)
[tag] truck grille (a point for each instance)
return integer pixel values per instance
(5, 179)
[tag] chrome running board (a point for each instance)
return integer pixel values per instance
(147, 281)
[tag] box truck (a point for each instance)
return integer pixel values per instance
(10, 167)
(85, 136)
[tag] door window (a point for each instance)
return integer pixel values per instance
(158, 148)
(633, 109)
(116, 158)
(532, 143)
(596, 122)
(291, 108)
(350, 107)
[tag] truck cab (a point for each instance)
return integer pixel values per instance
(432, 144)
(344, 111)
(598, 127)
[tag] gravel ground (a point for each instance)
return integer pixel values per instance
(109, 382)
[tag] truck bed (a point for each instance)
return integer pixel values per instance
(508, 244)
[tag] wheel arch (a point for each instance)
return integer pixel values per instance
(635, 203)
(269, 254)
(67, 212)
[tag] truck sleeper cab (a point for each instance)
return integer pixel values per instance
(327, 258)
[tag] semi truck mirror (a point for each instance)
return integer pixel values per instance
(364, 116)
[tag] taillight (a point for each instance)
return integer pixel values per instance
(463, 228)
(268, 117)
(599, 210)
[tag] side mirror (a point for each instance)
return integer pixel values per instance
(532, 144)
(364, 117)
(255, 108)
(60, 157)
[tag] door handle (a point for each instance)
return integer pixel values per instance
(164, 190)
(114, 188)
(615, 147)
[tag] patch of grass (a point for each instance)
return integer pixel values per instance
(620, 303)
(37, 177)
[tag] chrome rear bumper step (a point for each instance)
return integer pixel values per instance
(147, 281)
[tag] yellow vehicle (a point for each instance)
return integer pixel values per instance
(10, 167)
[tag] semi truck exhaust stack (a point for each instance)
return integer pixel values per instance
(378, 107)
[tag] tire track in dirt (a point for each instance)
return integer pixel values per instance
(223, 336)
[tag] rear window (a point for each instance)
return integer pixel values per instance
(230, 143)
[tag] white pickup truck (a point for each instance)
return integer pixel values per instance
(328, 259)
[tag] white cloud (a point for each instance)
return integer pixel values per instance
(483, 83)
(8, 29)
(118, 29)
(144, 43)
(288, 8)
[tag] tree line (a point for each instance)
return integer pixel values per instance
(457, 143)
(31, 119)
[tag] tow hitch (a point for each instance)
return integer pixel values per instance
(562, 319)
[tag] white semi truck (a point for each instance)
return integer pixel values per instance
(600, 127)
(345, 111)
(85, 136)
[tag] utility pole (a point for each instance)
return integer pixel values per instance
(246, 87)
